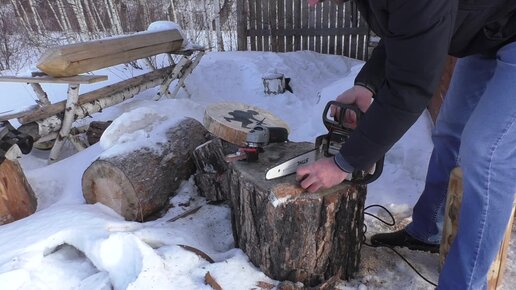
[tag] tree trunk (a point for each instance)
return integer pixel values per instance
(17, 200)
(138, 184)
(291, 234)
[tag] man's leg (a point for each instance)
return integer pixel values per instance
(488, 160)
(468, 83)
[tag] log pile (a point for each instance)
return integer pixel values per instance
(138, 184)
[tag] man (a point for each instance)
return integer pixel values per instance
(476, 127)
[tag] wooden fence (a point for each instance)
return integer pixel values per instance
(291, 25)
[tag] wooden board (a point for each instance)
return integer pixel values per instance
(451, 226)
(232, 121)
(17, 200)
(81, 79)
(74, 59)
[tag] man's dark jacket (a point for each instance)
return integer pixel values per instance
(405, 68)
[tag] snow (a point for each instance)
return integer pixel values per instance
(68, 244)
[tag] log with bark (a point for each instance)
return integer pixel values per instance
(138, 184)
(211, 177)
(289, 233)
(17, 200)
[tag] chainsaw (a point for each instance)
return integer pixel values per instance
(328, 145)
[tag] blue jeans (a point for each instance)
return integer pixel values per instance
(475, 130)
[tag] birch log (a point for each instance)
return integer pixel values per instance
(291, 234)
(138, 184)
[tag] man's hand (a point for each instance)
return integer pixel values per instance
(357, 95)
(323, 173)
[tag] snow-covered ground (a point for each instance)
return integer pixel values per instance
(68, 244)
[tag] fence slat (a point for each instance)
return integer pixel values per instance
(273, 25)
(297, 24)
(340, 22)
(266, 25)
(289, 21)
(281, 25)
(304, 24)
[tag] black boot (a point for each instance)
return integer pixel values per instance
(402, 239)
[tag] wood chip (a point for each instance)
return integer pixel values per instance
(265, 285)
(185, 214)
(198, 253)
(209, 280)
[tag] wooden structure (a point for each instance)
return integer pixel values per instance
(232, 121)
(17, 200)
(290, 25)
(138, 184)
(451, 225)
(49, 121)
(288, 233)
(78, 58)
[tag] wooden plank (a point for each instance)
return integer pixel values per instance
(252, 23)
(318, 26)
(273, 24)
(347, 25)
(325, 24)
(154, 78)
(288, 24)
(259, 25)
(74, 59)
(297, 24)
(80, 79)
(304, 23)
(266, 25)
(333, 24)
(241, 25)
(354, 23)
(281, 25)
(339, 24)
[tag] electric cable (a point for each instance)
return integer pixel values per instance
(388, 247)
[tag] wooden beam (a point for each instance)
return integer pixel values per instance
(73, 59)
(144, 81)
(81, 79)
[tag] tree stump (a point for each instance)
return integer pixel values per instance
(292, 234)
(451, 226)
(211, 177)
(139, 183)
(17, 200)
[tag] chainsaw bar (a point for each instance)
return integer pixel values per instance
(290, 166)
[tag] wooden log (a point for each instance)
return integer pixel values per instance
(442, 89)
(451, 226)
(74, 59)
(212, 177)
(122, 90)
(291, 234)
(138, 184)
(95, 131)
(232, 121)
(17, 200)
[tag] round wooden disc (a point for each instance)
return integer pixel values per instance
(232, 121)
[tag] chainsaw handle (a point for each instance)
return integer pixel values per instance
(338, 120)
(368, 178)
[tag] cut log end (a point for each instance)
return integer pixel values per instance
(105, 183)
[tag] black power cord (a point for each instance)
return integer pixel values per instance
(388, 247)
